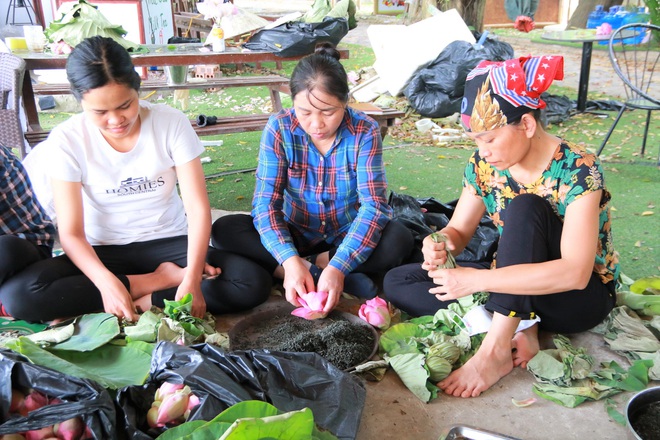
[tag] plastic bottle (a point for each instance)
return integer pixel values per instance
(639, 16)
(613, 20)
(596, 17)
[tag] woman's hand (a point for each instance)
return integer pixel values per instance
(117, 300)
(297, 279)
(331, 281)
(435, 254)
(454, 283)
(198, 308)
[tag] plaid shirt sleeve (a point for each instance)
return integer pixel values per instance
(20, 212)
(271, 181)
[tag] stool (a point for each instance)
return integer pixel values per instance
(13, 4)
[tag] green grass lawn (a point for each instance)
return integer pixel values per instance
(418, 167)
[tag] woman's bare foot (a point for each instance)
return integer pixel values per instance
(492, 361)
(166, 276)
(525, 346)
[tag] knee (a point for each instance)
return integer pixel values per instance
(227, 228)
(399, 241)
(525, 204)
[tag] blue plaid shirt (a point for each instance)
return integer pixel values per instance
(20, 212)
(339, 198)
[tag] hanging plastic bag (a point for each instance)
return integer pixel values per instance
(294, 38)
(80, 398)
(289, 381)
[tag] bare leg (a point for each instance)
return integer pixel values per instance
(166, 276)
(525, 346)
(492, 361)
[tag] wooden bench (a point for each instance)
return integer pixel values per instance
(240, 124)
(245, 123)
(226, 124)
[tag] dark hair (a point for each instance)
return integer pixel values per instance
(98, 61)
(535, 112)
(321, 70)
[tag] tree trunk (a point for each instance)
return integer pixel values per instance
(579, 18)
(472, 12)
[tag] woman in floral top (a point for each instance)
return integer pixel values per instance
(555, 267)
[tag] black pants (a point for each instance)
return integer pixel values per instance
(532, 234)
(16, 254)
(236, 234)
(56, 288)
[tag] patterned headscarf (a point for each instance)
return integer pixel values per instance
(497, 93)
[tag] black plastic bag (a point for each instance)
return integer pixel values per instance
(425, 216)
(289, 381)
(436, 90)
(81, 398)
(296, 38)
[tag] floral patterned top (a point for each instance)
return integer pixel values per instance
(572, 173)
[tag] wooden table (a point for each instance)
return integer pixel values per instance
(158, 57)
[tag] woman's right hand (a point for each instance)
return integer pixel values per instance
(297, 279)
(435, 254)
(117, 300)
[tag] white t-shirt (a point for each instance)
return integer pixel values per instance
(127, 197)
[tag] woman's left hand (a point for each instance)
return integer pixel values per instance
(331, 281)
(454, 283)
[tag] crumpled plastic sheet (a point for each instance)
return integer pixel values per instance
(82, 398)
(426, 215)
(289, 381)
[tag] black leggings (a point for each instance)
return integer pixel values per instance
(532, 234)
(55, 287)
(16, 254)
(236, 234)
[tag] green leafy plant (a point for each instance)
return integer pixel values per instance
(252, 420)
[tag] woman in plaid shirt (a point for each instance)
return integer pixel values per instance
(26, 232)
(321, 193)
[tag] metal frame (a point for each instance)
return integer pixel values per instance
(636, 67)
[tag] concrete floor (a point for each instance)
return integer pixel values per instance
(393, 412)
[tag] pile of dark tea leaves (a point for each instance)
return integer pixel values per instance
(340, 342)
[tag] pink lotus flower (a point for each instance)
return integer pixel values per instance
(172, 408)
(376, 313)
(167, 388)
(604, 29)
(312, 305)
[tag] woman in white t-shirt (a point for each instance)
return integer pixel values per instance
(131, 237)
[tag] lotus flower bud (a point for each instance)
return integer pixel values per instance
(34, 400)
(152, 417)
(438, 367)
(446, 350)
(40, 434)
(376, 313)
(71, 429)
(172, 408)
(193, 401)
(166, 389)
(12, 437)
